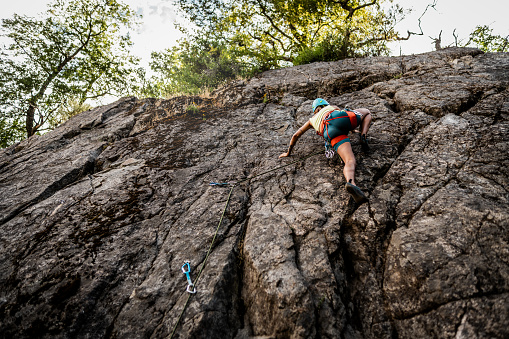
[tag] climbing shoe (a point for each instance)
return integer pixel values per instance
(364, 142)
(356, 193)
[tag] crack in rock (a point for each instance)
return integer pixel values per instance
(99, 215)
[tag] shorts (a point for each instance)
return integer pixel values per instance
(337, 125)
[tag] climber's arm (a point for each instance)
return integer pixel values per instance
(296, 137)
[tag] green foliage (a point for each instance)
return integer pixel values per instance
(331, 48)
(9, 131)
(237, 38)
(76, 51)
(483, 38)
(193, 109)
(192, 67)
(70, 108)
(274, 33)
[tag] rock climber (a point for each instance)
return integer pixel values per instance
(334, 124)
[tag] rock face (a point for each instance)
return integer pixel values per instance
(98, 216)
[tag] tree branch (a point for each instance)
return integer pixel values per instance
(409, 33)
(419, 20)
(351, 10)
(437, 41)
(455, 38)
(98, 95)
(264, 13)
(31, 57)
(506, 42)
(32, 102)
(320, 26)
(277, 39)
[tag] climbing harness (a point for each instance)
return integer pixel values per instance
(232, 184)
(186, 268)
(326, 121)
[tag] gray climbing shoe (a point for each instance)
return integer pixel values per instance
(356, 193)
(364, 142)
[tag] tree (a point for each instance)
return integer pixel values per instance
(191, 67)
(237, 38)
(275, 33)
(79, 50)
(483, 38)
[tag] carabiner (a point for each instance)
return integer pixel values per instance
(186, 268)
(191, 288)
(329, 150)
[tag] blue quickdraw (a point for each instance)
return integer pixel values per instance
(186, 268)
(219, 183)
(222, 183)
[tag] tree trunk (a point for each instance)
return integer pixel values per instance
(346, 44)
(30, 114)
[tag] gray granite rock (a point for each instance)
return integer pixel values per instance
(98, 216)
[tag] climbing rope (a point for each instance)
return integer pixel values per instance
(186, 267)
(205, 260)
(277, 168)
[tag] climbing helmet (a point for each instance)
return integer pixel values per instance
(319, 102)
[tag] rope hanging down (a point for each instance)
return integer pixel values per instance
(233, 185)
(204, 261)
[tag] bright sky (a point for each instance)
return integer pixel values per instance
(158, 32)
(462, 15)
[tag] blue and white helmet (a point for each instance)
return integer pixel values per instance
(319, 102)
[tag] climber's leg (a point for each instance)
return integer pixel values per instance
(346, 153)
(364, 128)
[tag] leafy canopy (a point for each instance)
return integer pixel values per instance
(192, 67)
(273, 33)
(78, 50)
(483, 38)
(236, 38)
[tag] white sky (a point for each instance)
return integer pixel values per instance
(158, 32)
(462, 15)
